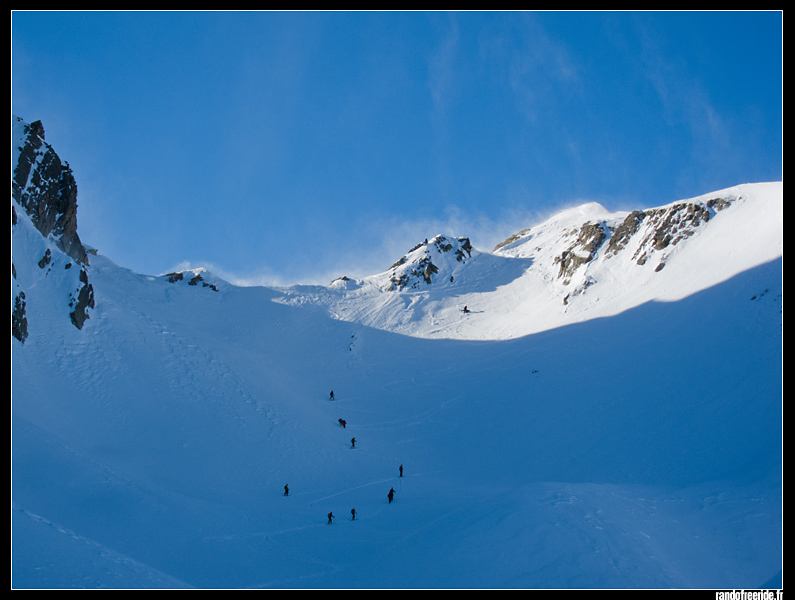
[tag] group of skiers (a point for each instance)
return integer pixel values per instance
(390, 495)
(353, 516)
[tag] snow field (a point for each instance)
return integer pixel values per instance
(635, 448)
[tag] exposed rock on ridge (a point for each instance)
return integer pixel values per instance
(45, 188)
(195, 280)
(583, 250)
(84, 301)
(19, 320)
(669, 225)
(417, 266)
(640, 237)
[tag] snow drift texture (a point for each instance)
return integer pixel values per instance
(595, 421)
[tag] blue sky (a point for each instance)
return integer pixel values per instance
(279, 148)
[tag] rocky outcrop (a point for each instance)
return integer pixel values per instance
(583, 250)
(623, 233)
(660, 227)
(667, 226)
(195, 280)
(82, 301)
(44, 186)
(572, 249)
(46, 259)
(19, 321)
(417, 267)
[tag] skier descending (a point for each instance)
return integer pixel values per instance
(353, 442)
(330, 516)
(391, 494)
(353, 514)
(286, 490)
(331, 395)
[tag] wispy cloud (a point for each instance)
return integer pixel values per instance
(381, 241)
(687, 106)
(541, 69)
(442, 64)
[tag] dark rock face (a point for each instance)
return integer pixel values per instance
(19, 322)
(85, 300)
(46, 259)
(625, 231)
(465, 251)
(44, 186)
(668, 226)
(420, 268)
(194, 281)
(583, 250)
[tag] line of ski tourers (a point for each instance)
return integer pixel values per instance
(390, 496)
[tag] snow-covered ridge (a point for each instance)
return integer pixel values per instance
(586, 246)
(585, 262)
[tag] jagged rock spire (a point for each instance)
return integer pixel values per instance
(45, 188)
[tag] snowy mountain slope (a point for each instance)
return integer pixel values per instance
(583, 263)
(150, 448)
(634, 451)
